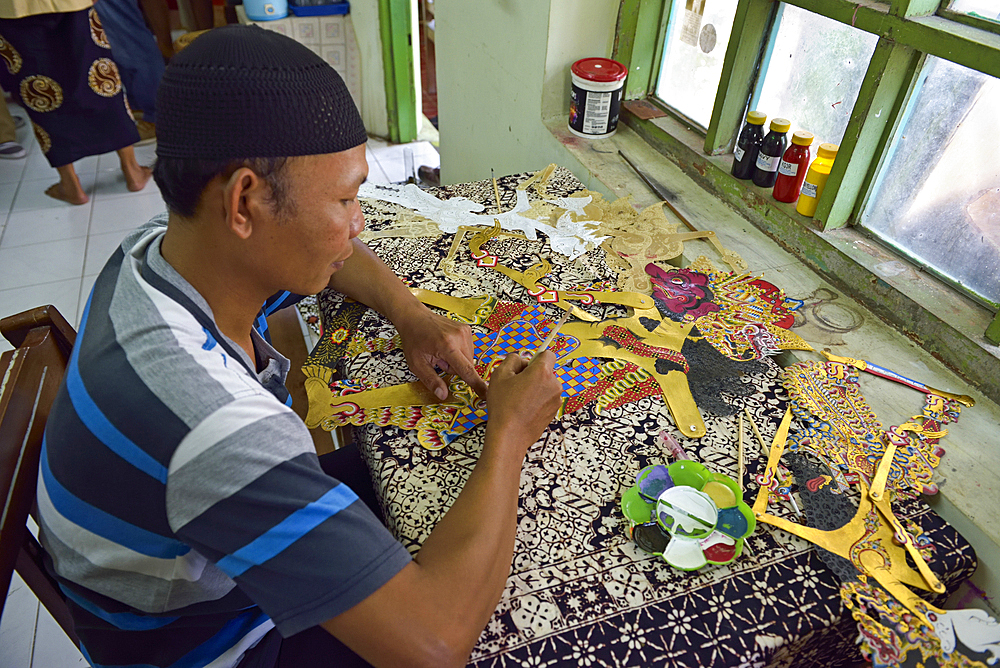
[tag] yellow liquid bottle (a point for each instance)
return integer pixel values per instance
(819, 172)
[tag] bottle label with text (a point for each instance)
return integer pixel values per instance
(788, 168)
(808, 189)
(767, 163)
(738, 154)
(595, 114)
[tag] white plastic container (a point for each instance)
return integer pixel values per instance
(596, 97)
(265, 10)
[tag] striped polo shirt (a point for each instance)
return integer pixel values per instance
(181, 500)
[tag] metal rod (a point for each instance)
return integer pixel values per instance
(661, 192)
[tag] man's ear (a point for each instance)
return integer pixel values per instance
(243, 194)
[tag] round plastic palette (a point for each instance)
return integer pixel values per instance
(687, 515)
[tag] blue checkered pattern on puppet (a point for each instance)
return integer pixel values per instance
(466, 419)
(523, 334)
(576, 375)
(515, 336)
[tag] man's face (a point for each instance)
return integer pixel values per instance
(309, 239)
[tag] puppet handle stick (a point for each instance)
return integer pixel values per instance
(889, 374)
(741, 466)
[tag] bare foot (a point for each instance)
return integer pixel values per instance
(137, 177)
(58, 191)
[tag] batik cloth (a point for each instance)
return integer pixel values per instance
(580, 592)
(60, 67)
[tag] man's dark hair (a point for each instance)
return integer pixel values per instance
(183, 180)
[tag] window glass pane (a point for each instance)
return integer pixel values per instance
(693, 50)
(937, 197)
(984, 9)
(814, 73)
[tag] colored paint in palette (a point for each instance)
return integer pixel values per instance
(688, 515)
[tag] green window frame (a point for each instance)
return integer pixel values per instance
(907, 31)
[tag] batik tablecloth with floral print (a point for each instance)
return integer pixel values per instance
(580, 592)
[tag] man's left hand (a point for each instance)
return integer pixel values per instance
(430, 340)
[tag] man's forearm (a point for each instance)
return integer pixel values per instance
(365, 278)
(433, 611)
(473, 544)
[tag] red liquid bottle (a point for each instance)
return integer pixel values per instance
(793, 167)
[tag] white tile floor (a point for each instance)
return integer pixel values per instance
(50, 253)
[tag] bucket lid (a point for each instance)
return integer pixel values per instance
(603, 70)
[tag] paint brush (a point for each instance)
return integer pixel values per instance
(551, 337)
(668, 441)
(753, 425)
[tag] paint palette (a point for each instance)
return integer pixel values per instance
(687, 515)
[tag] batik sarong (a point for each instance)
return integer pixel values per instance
(60, 67)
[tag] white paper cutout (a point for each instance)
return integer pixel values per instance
(570, 238)
(976, 629)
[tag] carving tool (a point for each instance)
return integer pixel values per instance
(661, 192)
(552, 335)
(888, 374)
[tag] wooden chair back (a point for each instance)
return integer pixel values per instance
(30, 376)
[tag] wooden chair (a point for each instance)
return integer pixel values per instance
(29, 379)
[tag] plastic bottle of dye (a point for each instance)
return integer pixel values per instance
(771, 149)
(793, 167)
(819, 172)
(748, 145)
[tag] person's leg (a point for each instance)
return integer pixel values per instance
(134, 49)
(204, 15)
(7, 129)
(68, 189)
(158, 15)
(9, 148)
(136, 175)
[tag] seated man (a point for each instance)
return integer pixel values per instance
(186, 514)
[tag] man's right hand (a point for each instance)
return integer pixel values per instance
(523, 398)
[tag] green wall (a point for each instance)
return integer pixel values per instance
(502, 70)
